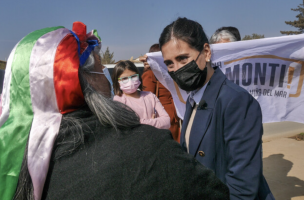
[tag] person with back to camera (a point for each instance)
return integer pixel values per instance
(150, 83)
(222, 126)
(80, 144)
(126, 82)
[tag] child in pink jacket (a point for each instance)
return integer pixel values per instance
(126, 82)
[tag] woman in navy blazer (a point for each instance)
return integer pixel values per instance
(222, 125)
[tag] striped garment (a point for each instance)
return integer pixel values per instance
(41, 83)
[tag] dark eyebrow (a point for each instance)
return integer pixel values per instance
(185, 54)
(181, 55)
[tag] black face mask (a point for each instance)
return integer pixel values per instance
(190, 77)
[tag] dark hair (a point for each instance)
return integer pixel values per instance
(118, 70)
(232, 30)
(154, 48)
(186, 30)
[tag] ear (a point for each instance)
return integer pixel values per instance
(207, 52)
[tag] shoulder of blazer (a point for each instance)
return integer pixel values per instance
(231, 90)
(213, 88)
(234, 87)
(219, 85)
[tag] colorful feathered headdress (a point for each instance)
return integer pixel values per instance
(41, 83)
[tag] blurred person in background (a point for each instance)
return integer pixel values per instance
(80, 144)
(150, 83)
(225, 34)
(232, 30)
(127, 88)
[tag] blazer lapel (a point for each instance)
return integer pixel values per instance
(200, 124)
(203, 115)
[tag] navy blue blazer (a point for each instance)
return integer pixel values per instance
(226, 136)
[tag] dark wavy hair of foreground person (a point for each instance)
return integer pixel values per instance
(109, 113)
(186, 30)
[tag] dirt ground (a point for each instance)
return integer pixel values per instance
(283, 162)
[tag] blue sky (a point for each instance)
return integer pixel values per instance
(129, 28)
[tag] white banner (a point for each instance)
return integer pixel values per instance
(270, 69)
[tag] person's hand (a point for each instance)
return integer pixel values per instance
(144, 60)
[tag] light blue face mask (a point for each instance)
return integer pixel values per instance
(108, 76)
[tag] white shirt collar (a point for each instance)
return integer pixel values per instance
(196, 95)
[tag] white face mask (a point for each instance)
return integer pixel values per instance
(108, 76)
